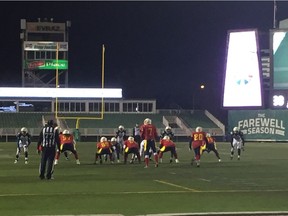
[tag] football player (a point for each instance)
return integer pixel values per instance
(121, 136)
(67, 143)
(168, 132)
(149, 133)
(167, 145)
(103, 147)
(211, 146)
(23, 141)
(198, 140)
(236, 142)
(130, 146)
(236, 130)
(116, 149)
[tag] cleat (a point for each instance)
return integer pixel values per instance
(131, 162)
(78, 162)
(101, 161)
(145, 166)
(231, 157)
(67, 158)
(161, 160)
(156, 165)
(26, 161)
(176, 161)
(219, 160)
(238, 157)
(170, 161)
(56, 162)
(16, 161)
(118, 161)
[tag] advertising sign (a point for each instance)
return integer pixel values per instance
(44, 46)
(260, 125)
(45, 26)
(46, 64)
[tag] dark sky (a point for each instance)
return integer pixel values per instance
(154, 50)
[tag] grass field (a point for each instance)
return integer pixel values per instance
(258, 182)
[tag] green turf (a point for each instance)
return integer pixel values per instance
(258, 182)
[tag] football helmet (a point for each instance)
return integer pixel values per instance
(166, 138)
(130, 138)
(113, 139)
(121, 127)
(66, 132)
(24, 130)
(198, 129)
(147, 121)
(208, 135)
(235, 129)
(103, 139)
(168, 128)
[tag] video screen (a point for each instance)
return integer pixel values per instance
(242, 82)
(280, 59)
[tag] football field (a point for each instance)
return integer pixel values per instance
(256, 184)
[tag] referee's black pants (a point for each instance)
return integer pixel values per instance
(47, 158)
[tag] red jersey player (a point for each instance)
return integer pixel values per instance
(130, 146)
(167, 145)
(211, 146)
(103, 147)
(148, 133)
(67, 143)
(198, 139)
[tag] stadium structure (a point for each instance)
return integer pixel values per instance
(45, 47)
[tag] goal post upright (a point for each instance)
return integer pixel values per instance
(78, 118)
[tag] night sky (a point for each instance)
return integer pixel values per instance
(154, 50)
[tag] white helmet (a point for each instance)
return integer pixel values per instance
(147, 121)
(198, 129)
(24, 130)
(235, 129)
(103, 139)
(166, 137)
(168, 128)
(121, 127)
(208, 135)
(113, 139)
(130, 138)
(66, 132)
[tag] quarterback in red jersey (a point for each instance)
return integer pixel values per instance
(67, 143)
(167, 145)
(198, 139)
(130, 146)
(148, 133)
(103, 147)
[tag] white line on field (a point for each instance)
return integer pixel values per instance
(261, 213)
(207, 180)
(187, 190)
(178, 186)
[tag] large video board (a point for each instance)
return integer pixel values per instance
(242, 80)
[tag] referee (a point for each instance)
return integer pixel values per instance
(47, 144)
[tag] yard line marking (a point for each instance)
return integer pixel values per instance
(207, 180)
(178, 186)
(187, 190)
(249, 213)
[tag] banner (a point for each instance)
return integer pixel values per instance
(46, 64)
(44, 46)
(257, 125)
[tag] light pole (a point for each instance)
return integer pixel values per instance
(201, 87)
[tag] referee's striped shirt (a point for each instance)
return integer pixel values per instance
(49, 137)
